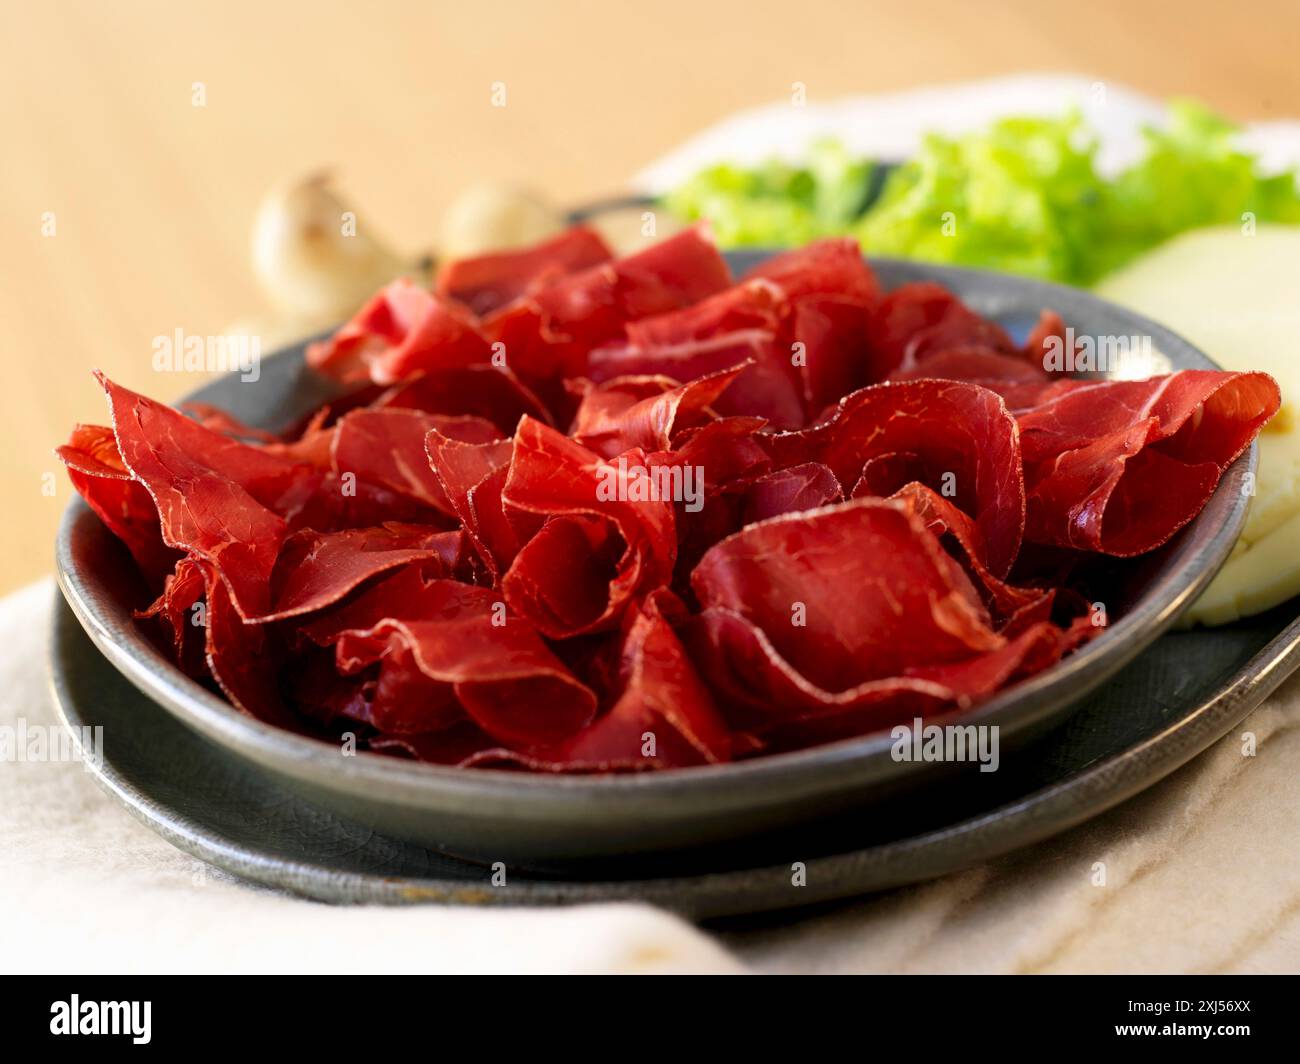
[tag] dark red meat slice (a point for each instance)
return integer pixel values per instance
(218, 498)
(98, 474)
(1036, 647)
(825, 267)
(400, 700)
(550, 332)
(183, 589)
(768, 388)
(664, 716)
(727, 451)
(1012, 608)
(317, 569)
(764, 696)
(488, 282)
(800, 321)
(799, 487)
(402, 331)
(1019, 382)
(831, 296)
(958, 438)
(849, 593)
(1118, 467)
(919, 319)
(751, 304)
(472, 476)
(387, 447)
(244, 658)
(218, 420)
(644, 412)
(772, 703)
(627, 541)
(506, 679)
(567, 579)
(489, 392)
(922, 318)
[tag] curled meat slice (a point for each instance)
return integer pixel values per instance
(957, 438)
(848, 593)
(611, 527)
(1118, 467)
(505, 678)
(488, 282)
(550, 332)
(222, 500)
(403, 330)
(645, 412)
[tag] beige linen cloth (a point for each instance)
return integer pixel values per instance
(1202, 874)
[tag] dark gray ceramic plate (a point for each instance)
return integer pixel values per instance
(1184, 692)
(724, 810)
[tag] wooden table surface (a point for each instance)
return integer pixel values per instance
(152, 197)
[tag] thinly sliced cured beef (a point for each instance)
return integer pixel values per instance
(790, 490)
(1030, 651)
(472, 476)
(609, 527)
(768, 387)
(549, 333)
(584, 514)
(99, 475)
(503, 675)
(386, 446)
(833, 266)
(1012, 608)
(404, 330)
(244, 659)
(489, 282)
(1019, 382)
(662, 715)
(317, 569)
(777, 707)
(401, 700)
(957, 438)
(174, 609)
(919, 319)
(218, 420)
(764, 696)
(725, 452)
(220, 499)
(645, 412)
(1118, 467)
(489, 392)
(848, 593)
(831, 296)
(799, 320)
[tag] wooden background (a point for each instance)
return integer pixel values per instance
(153, 197)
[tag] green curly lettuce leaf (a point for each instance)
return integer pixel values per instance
(1023, 196)
(776, 203)
(1019, 197)
(1192, 176)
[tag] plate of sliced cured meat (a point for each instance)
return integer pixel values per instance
(575, 556)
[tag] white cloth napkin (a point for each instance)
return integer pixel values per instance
(1202, 871)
